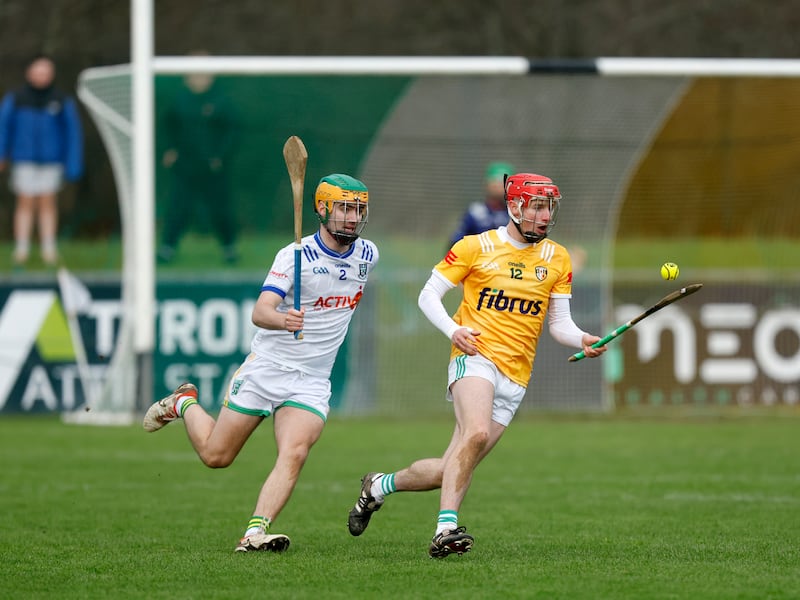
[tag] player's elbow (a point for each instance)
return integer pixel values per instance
(421, 299)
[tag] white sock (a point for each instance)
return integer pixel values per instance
(22, 248)
(383, 486)
(448, 521)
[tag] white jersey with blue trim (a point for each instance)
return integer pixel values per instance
(331, 287)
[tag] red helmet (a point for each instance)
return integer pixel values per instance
(530, 185)
(524, 187)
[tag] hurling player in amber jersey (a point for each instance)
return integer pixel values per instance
(285, 378)
(512, 277)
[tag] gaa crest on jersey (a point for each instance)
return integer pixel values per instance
(541, 273)
(362, 270)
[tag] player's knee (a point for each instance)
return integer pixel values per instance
(217, 459)
(295, 455)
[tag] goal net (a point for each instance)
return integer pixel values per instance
(106, 93)
(675, 165)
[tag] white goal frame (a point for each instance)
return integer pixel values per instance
(138, 235)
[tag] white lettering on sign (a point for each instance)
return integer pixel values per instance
(20, 322)
(780, 368)
(105, 313)
(39, 389)
(178, 324)
(216, 327)
(649, 331)
(723, 328)
(725, 343)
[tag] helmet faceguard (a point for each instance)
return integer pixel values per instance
(528, 190)
(345, 200)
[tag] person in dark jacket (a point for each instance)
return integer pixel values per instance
(491, 213)
(41, 138)
(200, 126)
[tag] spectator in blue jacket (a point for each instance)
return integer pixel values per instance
(491, 213)
(41, 138)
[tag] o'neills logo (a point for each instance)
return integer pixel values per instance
(497, 300)
(328, 302)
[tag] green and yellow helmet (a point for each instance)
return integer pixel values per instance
(353, 194)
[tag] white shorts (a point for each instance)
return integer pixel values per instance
(32, 179)
(260, 387)
(507, 394)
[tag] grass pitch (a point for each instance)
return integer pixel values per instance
(563, 508)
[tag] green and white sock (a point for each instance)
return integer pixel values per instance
(257, 524)
(383, 486)
(185, 401)
(448, 520)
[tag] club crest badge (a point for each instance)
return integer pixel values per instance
(541, 273)
(362, 270)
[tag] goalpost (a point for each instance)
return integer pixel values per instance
(121, 101)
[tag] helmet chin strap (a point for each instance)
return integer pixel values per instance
(530, 237)
(345, 239)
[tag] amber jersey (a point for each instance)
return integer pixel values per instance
(507, 290)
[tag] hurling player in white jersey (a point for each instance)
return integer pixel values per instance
(512, 277)
(283, 377)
